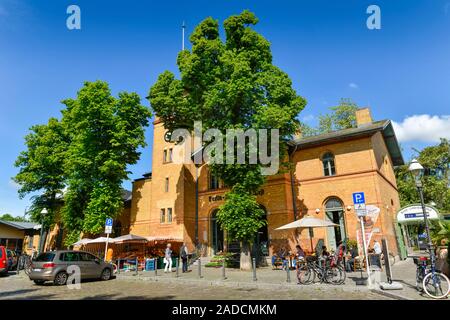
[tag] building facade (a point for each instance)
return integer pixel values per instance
(327, 169)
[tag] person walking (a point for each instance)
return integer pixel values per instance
(168, 258)
(184, 253)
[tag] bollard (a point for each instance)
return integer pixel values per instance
(137, 266)
(223, 270)
(156, 266)
(254, 269)
(177, 263)
(199, 261)
(118, 265)
(288, 274)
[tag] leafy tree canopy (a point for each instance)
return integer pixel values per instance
(86, 154)
(8, 217)
(41, 168)
(227, 84)
(342, 116)
(436, 161)
(105, 133)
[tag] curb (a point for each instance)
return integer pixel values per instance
(248, 285)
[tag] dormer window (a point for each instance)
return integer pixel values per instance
(329, 168)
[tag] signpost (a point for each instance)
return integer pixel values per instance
(360, 208)
(108, 230)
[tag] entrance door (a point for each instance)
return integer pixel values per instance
(334, 212)
(217, 237)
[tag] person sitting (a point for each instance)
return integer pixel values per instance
(324, 255)
(340, 252)
(350, 260)
(283, 255)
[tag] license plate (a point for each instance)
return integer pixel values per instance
(37, 270)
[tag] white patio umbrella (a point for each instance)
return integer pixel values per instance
(82, 241)
(129, 238)
(308, 222)
(100, 240)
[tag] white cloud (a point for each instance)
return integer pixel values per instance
(424, 128)
(353, 85)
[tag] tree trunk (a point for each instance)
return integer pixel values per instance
(246, 259)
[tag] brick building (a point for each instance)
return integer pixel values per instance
(328, 168)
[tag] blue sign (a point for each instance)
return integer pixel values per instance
(109, 222)
(358, 198)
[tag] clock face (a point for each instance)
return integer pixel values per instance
(167, 136)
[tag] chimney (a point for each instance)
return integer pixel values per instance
(363, 117)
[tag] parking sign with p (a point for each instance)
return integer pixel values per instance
(358, 198)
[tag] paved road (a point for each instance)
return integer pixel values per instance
(19, 287)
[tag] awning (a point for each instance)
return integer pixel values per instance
(414, 214)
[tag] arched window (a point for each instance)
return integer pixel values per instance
(329, 168)
(333, 204)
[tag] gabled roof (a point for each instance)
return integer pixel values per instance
(383, 126)
(21, 225)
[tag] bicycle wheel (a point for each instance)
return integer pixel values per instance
(304, 274)
(436, 285)
(333, 275)
(343, 275)
(27, 266)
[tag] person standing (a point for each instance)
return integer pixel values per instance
(168, 258)
(184, 253)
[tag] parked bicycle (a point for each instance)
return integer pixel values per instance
(326, 270)
(431, 281)
(25, 263)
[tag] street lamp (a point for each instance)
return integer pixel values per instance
(41, 242)
(417, 171)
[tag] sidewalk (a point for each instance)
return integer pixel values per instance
(266, 279)
(402, 272)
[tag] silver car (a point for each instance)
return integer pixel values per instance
(53, 266)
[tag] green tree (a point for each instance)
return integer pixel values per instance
(8, 217)
(341, 117)
(230, 84)
(41, 170)
(105, 133)
(436, 161)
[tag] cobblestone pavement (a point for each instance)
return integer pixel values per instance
(20, 287)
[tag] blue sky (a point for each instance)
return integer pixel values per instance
(401, 71)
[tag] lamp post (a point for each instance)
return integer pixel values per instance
(417, 171)
(41, 240)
